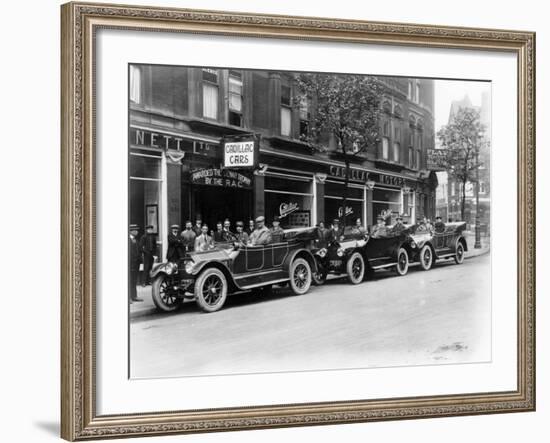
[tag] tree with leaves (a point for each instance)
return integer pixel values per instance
(347, 109)
(461, 141)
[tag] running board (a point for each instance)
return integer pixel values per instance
(384, 266)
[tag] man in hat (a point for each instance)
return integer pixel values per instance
(336, 233)
(188, 237)
(204, 242)
(228, 236)
(398, 227)
(261, 235)
(135, 260)
(439, 225)
(241, 236)
(175, 245)
(322, 235)
(148, 247)
(277, 233)
(217, 235)
(197, 229)
(379, 230)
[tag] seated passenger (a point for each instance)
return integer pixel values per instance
(277, 233)
(241, 236)
(380, 229)
(358, 230)
(398, 227)
(336, 233)
(323, 234)
(439, 225)
(204, 242)
(261, 235)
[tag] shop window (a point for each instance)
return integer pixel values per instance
(210, 93)
(334, 193)
(290, 198)
(135, 84)
(387, 203)
(235, 98)
(396, 151)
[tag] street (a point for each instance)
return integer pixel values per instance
(439, 316)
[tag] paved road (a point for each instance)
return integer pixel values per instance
(434, 317)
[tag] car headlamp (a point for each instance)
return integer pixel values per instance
(340, 252)
(413, 244)
(189, 267)
(170, 268)
(322, 252)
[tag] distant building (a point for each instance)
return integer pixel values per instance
(449, 192)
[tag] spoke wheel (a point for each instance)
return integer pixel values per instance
(459, 254)
(355, 267)
(319, 278)
(165, 297)
(402, 266)
(211, 290)
(300, 276)
(426, 258)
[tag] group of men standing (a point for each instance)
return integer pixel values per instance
(200, 238)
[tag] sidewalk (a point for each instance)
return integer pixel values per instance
(145, 307)
(470, 240)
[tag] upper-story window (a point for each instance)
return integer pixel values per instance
(410, 90)
(413, 91)
(235, 98)
(286, 111)
(396, 151)
(135, 84)
(386, 140)
(210, 93)
(304, 117)
(417, 162)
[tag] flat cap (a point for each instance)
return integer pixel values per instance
(134, 227)
(175, 227)
(240, 223)
(261, 218)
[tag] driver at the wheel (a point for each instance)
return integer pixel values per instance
(261, 235)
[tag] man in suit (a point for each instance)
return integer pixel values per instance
(261, 235)
(228, 236)
(336, 233)
(188, 237)
(398, 227)
(204, 242)
(241, 236)
(218, 233)
(277, 233)
(198, 225)
(135, 260)
(175, 245)
(250, 227)
(148, 246)
(323, 235)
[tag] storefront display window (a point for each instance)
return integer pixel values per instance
(290, 198)
(386, 202)
(334, 194)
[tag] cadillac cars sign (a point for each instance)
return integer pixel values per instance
(240, 152)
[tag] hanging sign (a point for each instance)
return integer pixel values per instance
(221, 177)
(240, 152)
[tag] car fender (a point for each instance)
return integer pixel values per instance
(462, 240)
(304, 253)
(214, 264)
(159, 268)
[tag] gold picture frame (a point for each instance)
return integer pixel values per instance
(80, 21)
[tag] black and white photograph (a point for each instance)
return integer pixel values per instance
(303, 221)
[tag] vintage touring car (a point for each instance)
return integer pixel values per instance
(355, 255)
(429, 246)
(208, 277)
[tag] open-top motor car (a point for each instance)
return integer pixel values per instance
(208, 277)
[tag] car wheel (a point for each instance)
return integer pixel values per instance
(459, 253)
(402, 266)
(211, 290)
(355, 268)
(165, 297)
(300, 276)
(426, 258)
(319, 278)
